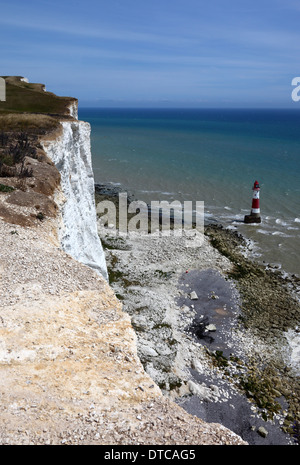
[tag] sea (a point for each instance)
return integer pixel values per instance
(212, 156)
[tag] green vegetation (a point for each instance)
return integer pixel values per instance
(268, 309)
(268, 306)
(261, 386)
(219, 359)
(28, 113)
(31, 98)
(260, 389)
(40, 216)
(13, 152)
(164, 274)
(4, 188)
(29, 108)
(37, 123)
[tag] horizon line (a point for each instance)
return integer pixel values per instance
(159, 107)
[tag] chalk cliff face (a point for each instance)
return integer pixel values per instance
(69, 368)
(71, 153)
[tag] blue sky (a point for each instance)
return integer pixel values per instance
(214, 53)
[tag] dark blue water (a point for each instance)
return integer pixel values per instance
(212, 156)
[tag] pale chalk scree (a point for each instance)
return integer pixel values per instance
(71, 154)
(254, 216)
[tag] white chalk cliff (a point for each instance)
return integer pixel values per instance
(69, 366)
(71, 153)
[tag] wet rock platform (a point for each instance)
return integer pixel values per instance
(210, 327)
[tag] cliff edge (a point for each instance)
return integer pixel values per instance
(70, 373)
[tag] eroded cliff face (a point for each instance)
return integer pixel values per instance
(69, 369)
(70, 151)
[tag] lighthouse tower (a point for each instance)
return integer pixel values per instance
(254, 216)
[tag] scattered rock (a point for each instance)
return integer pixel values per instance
(211, 327)
(262, 431)
(149, 351)
(193, 296)
(203, 392)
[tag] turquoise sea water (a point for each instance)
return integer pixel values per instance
(212, 156)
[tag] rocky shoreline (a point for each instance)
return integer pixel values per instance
(70, 373)
(211, 327)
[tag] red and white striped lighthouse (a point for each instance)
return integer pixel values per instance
(254, 216)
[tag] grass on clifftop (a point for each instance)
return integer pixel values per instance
(27, 122)
(28, 113)
(28, 106)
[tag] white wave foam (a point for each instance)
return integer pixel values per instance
(156, 192)
(281, 234)
(281, 222)
(297, 220)
(114, 183)
(263, 231)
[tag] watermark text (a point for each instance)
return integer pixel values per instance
(157, 219)
(296, 91)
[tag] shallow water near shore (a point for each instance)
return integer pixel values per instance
(218, 307)
(212, 156)
(203, 156)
